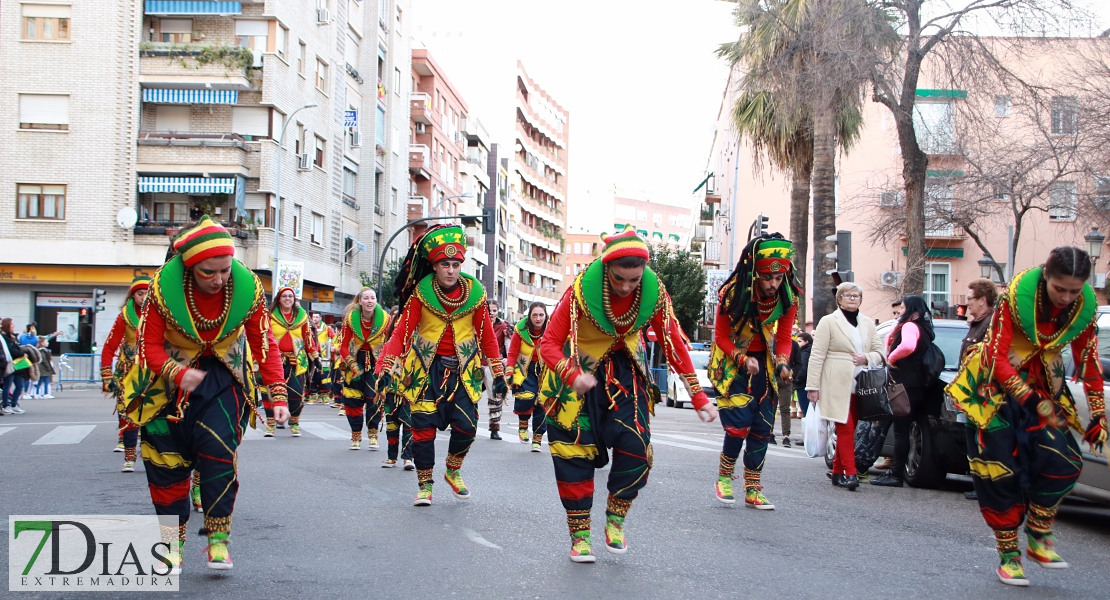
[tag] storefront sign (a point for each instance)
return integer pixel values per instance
(92, 276)
(50, 301)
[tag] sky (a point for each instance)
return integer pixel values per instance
(639, 79)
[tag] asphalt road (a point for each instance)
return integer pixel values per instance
(314, 518)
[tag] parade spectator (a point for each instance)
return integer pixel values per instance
(845, 342)
(981, 296)
(46, 370)
(909, 340)
(898, 308)
(11, 386)
(801, 372)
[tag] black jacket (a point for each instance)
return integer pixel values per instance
(13, 348)
(801, 364)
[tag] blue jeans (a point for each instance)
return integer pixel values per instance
(42, 387)
(12, 388)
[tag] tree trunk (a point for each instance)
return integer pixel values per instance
(824, 212)
(914, 166)
(799, 226)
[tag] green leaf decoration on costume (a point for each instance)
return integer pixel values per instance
(583, 422)
(586, 363)
(468, 348)
(157, 426)
(474, 378)
(424, 349)
(235, 358)
(177, 356)
(302, 361)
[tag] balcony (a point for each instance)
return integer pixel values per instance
(707, 214)
(421, 108)
(178, 8)
(196, 66)
(527, 291)
(196, 153)
(420, 162)
(701, 233)
(417, 207)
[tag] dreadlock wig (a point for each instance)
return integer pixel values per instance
(439, 242)
(766, 254)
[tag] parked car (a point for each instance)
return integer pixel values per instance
(938, 444)
(677, 395)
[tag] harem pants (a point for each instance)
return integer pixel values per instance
(360, 397)
(748, 413)
(524, 401)
(453, 408)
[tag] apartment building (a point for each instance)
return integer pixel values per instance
(583, 246)
(659, 223)
(184, 122)
(503, 239)
(539, 180)
(968, 133)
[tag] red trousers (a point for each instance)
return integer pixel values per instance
(845, 460)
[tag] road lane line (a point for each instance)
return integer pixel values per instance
(65, 434)
(72, 423)
(325, 431)
(657, 441)
(686, 438)
(4, 430)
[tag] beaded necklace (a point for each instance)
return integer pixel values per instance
(629, 317)
(447, 302)
(1046, 339)
(203, 323)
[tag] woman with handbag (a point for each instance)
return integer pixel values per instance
(844, 343)
(906, 346)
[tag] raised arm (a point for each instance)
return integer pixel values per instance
(398, 343)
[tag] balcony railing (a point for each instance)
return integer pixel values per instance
(353, 72)
(209, 140)
(421, 107)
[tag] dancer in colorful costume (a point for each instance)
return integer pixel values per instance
(1012, 388)
(757, 305)
(122, 340)
(599, 396)
(297, 344)
(525, 371)
(191, 389)
(364, 328)
(441, 338)
(319, 387)
(398, 418)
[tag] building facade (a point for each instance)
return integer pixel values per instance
(654, 221)
(187, 120)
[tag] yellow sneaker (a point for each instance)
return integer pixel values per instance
(724, 490)
(614, 535)
(218, 557)
(424, 496)
(454, 479)
(1010, 572)
(1043, 552)
(581, 550)
(753, 498)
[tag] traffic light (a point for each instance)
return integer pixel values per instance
(842, 256)
(762, 225)
(489, 220)
(99, 300)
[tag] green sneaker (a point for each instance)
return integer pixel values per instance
(218, 557)
(581, 550)
(523, 436)
(1010, 572)
(614, 535)
(753, 498)
(454, 479)
(1043, 552)
(194, 494)
(295, 430)
(724, 490)
(424, 496)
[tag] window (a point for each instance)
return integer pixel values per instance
(938, 203)
(1102, 193)
(350, 51)
(1065, 115)
(176, 31)
(45, 22)
(398, 19)
(396, 141)
(282, 40)
(393, 200)
(302, 49)
(321, 75)
(937, 287)
(251, 121)
(379, 127)
(318, 229)
(994, 274)
(172, 118)
(1062, 201)
(1001, 106)
(350, 181)
(377, 245)
(383, 18)
(297, 220)
(40, 201)
(348, 249)
(299, 142)
(44, 111)
(253, 36)
(171, 212)
(397, 81)
(935, 126)
(318, 159)
(1001, 192)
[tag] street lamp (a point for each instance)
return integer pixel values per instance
(986, 266)
(277, 191)
(1094, 249)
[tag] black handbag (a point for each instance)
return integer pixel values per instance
(872, 400)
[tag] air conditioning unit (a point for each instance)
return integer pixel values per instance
(890, 199)
(421, 128)
(356, 139)
(323, 16)
(459, 137)
(303, 162)
(891, 279)
(1100, 280)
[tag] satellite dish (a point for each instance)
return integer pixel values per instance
(127, 217)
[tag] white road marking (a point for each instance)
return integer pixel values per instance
(477, 538)
(253, 434)
(685, 438)
(4, 430)
(65, 434)
(325, 431)
(657, 441)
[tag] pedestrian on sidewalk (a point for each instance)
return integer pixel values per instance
(11, 386)
(844, 343)
(801, 373)
(46, 370)
(123, 340)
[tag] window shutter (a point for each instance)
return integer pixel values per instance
(42, 108)
(176, 25)
(55, 11)
(259, 28)
(250, 120)
(172, 118)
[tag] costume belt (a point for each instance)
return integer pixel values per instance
(449, 362)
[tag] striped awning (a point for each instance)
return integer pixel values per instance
(161, 96)
(187, 185)
(192, 7)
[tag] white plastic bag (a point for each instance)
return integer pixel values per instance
(816, 434)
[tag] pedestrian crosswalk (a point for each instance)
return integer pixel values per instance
(65, 434)
(713, 444)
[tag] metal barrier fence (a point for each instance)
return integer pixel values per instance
(78, 368)
(659, 378)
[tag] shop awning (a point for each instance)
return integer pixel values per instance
(163, 96)
(192, 7)
(187, 185)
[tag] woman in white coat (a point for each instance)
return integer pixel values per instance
(844, 344)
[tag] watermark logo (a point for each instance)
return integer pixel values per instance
(90, 553)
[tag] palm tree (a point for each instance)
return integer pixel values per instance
(800, 103)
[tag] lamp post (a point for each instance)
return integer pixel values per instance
(1094, 249)
(986, 266)
(277, 192)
